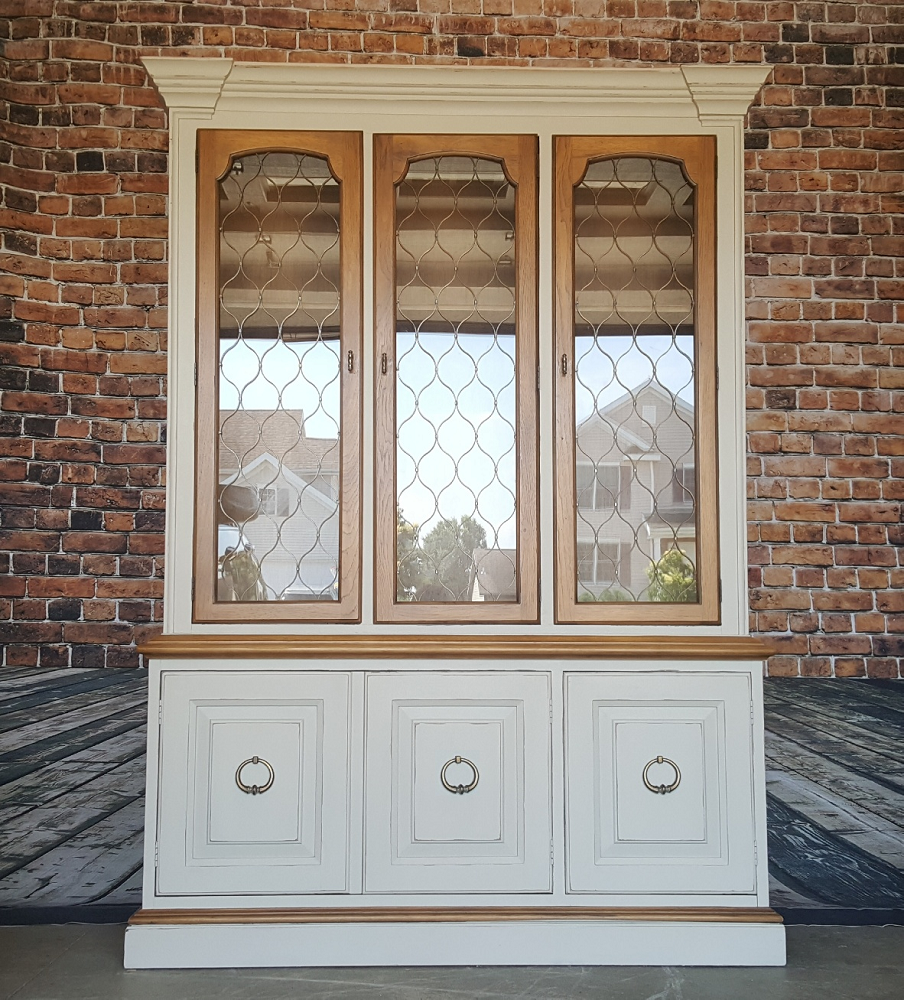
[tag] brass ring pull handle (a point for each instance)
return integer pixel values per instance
(662, 789)
(254, 789)
(459, 789)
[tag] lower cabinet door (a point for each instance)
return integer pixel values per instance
(253, 783)
(458, 782)
(659, 783)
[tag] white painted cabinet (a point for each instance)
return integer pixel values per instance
(458, 782)
(659, 783)
(244, 804)
(348, 770)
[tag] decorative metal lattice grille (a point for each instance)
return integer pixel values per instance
(456, 492)
(634, 374)
(278, 439)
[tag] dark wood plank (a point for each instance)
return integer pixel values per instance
(46, 704)
(126, 892)
(872, 697)
(33, 832)
(867, 716)
(56, 779)
(66, 720)
(81, 869)
(804, 855)
(28, 679)
(35, 756)
(882, 768)
(865, 795)
(61, 682)
(839, 816)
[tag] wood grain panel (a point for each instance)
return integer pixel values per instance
(217, 149)
(572, 157)
(518, 156)
(461, 914)
(530, 647)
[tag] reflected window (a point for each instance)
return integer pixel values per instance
(456, 489)
(634, 381)
(278, 441)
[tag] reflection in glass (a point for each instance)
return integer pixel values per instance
(278, 443)
(634, 382)
(456, 494)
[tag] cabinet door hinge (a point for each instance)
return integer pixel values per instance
(197, 158)
(192, 589)
(156, 856)
(720, 589)
(196, 374)
(160, 714)
(717, 380)
(538, 378)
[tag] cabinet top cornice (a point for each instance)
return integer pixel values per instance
(204, 86)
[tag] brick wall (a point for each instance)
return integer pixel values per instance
(83, 293)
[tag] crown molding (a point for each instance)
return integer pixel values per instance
(723, 92)
(188, 84)
(711, 94)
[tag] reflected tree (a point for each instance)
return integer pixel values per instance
(441, 567)
(673, 579)
(410, 567)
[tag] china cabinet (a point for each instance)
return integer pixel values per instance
(455, 666)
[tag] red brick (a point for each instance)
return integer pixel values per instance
(81, 48)
(805, 511)
(405, 23)
(817, 281)
(29, 541)
(60, 586)
(95, 541)
(33, 402)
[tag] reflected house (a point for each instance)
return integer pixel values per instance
(493, 575)
(635, 484)
(635, 487)
(292, 519)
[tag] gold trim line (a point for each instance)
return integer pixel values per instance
(458, 914)
(520, 647)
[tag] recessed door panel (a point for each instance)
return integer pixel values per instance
(667, 818)
(457, 783)
(277, 737)
(253, 783)
(461, 818)
(659, 783)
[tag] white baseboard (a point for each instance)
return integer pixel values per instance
(559, 942)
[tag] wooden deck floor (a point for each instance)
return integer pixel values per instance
(72, 764)
(835, 798)
(72, 756)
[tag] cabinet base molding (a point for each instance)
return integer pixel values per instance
(408, 936)
(455, 914)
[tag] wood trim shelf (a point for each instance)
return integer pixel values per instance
(459, 914)
(521, 647)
